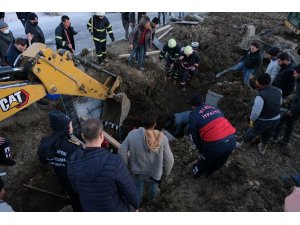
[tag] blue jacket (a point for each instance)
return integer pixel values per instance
(102, 181)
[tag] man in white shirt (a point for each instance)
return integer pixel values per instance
(273, 67)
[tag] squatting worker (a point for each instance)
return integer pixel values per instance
(212, 134)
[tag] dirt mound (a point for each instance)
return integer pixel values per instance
(249, 183)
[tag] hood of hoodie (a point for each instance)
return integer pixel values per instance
(153, 139)
(86, 164)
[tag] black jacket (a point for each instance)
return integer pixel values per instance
(12, 54)
(296, 101)
(285, 80)
(5, 41)
(61, 38)
(188, 62)
(136, 34)
(22, 15)
(173, 53)
(36, 31)
(253, 60)
(100, 27)
(102, 181)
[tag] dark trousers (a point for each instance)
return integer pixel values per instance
(126, 27)
(214, 155)
(171, 71)
(100, 50)
(289, 121)
(261, 128)
(186, 74)
(163, 16)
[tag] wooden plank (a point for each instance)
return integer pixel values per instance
(147, 53)
(111, 140)
(165, 33)
(187, 22)
(159, 45)
(158, 30)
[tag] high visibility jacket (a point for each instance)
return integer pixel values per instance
(100, 28)
(61, 38)
(173, 53)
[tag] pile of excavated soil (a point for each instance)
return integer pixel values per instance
(251, 182)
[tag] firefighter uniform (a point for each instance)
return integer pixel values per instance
(98, 28)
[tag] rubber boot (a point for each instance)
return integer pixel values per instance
(262, 148)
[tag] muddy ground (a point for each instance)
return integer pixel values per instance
(251, 182)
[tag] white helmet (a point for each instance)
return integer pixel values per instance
(100, 13)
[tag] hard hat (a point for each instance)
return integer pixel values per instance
(171, 43)
(195, 45)
(188, 50)
(100, 13)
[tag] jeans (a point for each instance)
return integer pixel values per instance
(241, 67)
(214, 155)
(140, 180)
(264, 128)
(289, 121)
(139, 52)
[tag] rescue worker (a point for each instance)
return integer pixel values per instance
(188, 65)
(170, 52)
(101, 178)
(98, 27)
(292, 116)
(285, 80)
(150, 155)
(15, 49)
(5, 153)
(213, 136)
(265, 114)
(23, 16)
(6, 38)
(64, 35)
(140, 40)
(4, 207)
(33, 31)
(249, 64)
(57, 148)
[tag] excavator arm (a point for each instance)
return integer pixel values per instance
(55, 73)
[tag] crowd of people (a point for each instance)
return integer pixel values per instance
(98, 180)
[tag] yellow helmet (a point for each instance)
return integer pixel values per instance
(188, 50)
(171, 43)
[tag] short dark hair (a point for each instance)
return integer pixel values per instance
(155, 20)
(284, 56)
(149, 119)
(64, 18)
(274, 51)
(264, 79)
(21, 41)
(91, 129)
(255, 44)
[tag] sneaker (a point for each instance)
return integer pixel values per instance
(42, 102)
(262, 148)
(2, 173)
(142, 68)
(105, 60)
(8, 162)
(219, 75)
(240, 145)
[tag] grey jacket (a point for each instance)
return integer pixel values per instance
(144, 161)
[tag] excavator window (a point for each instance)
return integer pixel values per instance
(294, 18)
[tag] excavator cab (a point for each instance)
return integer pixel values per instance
(293, 22)
(40, 70)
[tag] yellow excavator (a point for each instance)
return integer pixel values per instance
(293, 22)
(40, 71)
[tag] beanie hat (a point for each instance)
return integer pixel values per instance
(1, 184)
(3, 24)
(100, 13)
(155, 20)
(171, 43)
(58, 121)
(196, 100)
(297, 68)
(188, 50)
(32, 16)
(273, 51)
(264, 79)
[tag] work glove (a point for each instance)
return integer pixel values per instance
(91, 32)
(251, 123)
